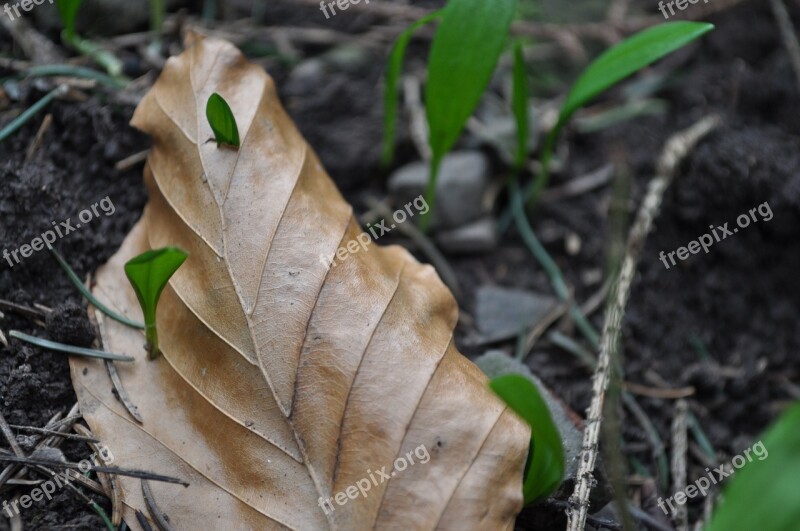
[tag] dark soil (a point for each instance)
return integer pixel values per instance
(740, 300)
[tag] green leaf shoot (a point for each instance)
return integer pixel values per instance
(396, 59)
(544, 469)
(615, 65)
(463, 56)
(149, 273)
(68, 10)
(765, 493)
(222, 122)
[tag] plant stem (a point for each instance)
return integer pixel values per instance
(151, 333)
(430, 193)
(29, 113)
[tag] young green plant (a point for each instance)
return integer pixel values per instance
(544, 469)
(68, 10)
(222, 122)
(456, 79)
(149, 273)
(616, 64)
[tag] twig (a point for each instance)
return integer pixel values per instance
(45, 431)
(788, 35)
(6, 456)
(12, 440)
(676, 149)
(35, 45)
(655, 392)
(132, 160)
(22, 310)
(37, 140)
(160, 518)
(679, 447)
(109, 481)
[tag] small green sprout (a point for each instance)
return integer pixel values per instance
(68, 10)
(222, 121)
(616, 64)
(544, 469)
(149, 273)
(456, 80)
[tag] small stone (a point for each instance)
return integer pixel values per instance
(475, 237)
(348, 58)
(502, 313)
(463, 180)
(305, 78)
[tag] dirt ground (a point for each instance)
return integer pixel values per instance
(740, 300)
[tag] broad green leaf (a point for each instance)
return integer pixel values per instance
(544, 470)
(68, 9)
(222, 121)
(765, 494)
(628, 57)
(396, 59)
(149, 273)
(520, 104)
(463, 57)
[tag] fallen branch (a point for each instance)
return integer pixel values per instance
(675, 150)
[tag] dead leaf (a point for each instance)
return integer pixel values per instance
(284, 381)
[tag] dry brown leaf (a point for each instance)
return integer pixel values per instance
(284, 381)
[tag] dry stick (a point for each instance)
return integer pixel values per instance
(12, 440)
(679, 448)
(39, 138)
(109, 481)
(788, 35)
(46, 431)
(675, 150)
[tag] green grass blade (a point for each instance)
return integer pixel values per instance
(149, 273)
(68, 10)
(544, 469)
(222, 121)
(30, 112)
(520, 106)
(616, 64)
(628, 57)
(69, 349)
(88, 294)
(765, 494)
(396, 59)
